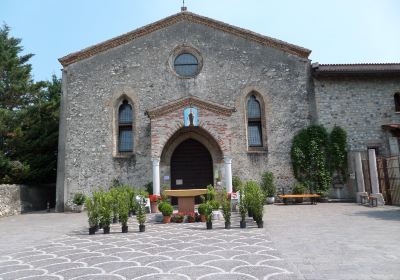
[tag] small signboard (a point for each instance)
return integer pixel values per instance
(179, 181)
(166, 178)
(190, 116)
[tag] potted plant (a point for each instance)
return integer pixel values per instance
(226, 211)
(93, 215)
(208, 214)
(268, 186)
(166, 209)
(141, 216)
(202, 211)
(190, 218)
(123, 210)
(298, 189)
(114, 192)
(177, 218)
(258, 206)
(154, 200)
(106, 201)
(79, 200)
(242, 208)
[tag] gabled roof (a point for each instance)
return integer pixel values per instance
(218, 25)
(189, 101)
(365, 69)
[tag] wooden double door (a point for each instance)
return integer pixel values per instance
(191, 167)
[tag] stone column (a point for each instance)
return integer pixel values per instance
(359, 177)
(156, 176)
(374, 176)
(228, 173)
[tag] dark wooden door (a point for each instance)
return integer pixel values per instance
(191, 166)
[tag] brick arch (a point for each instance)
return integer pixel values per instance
(197, 133)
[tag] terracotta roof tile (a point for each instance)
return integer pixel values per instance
(356, 69)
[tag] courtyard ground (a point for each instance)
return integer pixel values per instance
(324, 241)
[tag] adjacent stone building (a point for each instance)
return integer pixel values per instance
(189, 101)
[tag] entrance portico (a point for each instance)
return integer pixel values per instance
(191, 153)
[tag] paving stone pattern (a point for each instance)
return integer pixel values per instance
(164, 251)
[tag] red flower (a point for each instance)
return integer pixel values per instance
(154, 197)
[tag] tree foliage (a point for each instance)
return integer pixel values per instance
(309, 158)
(29, 115)
(338, 152)
(316, 155)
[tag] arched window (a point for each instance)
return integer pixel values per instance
(125, 125)
(254, 125)
(397, 101)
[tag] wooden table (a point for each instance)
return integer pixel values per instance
(185, 198)
(313, 197)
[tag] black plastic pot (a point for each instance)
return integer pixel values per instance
(92, 230)
(124, 229)
(106, 230)
(142, 228)
(209, 225)
(227, 225)
(260, 224)
(242, 224)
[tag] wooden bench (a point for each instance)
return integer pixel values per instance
(313, 197)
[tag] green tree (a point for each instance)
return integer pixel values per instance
(29, 115)
(16, 84)
(338, 152)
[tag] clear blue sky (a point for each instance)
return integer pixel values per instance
(337, 31)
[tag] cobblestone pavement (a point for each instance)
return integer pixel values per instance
(164, 251)
(337, 240)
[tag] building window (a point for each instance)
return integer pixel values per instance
(125, 125)
(186, 65)
(254, 125)
(397, 101)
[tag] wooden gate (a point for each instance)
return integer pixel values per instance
(389, 178)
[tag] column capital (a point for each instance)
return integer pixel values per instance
(155, 160)
(228, 159)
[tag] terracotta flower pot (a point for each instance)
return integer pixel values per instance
(203, 218)
(154, 207)
(166, 219)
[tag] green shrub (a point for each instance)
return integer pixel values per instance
(254, 199)
(214, 204)
(79, 199)
(236, 183)
(105, 206)
(242, 205)
(149, 187)
(92, 211)
(123, 207)
(226, 209)
(165, 208)
(268, 184)
(298, 189)
(202, 209)
(141, 214)
(211, 193)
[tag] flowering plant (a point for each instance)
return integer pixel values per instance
(154, 198)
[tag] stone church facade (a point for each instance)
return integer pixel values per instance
(188, 101)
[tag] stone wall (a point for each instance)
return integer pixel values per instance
(10, 200)
(141, 70)
(359, 105)
(16, 199)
